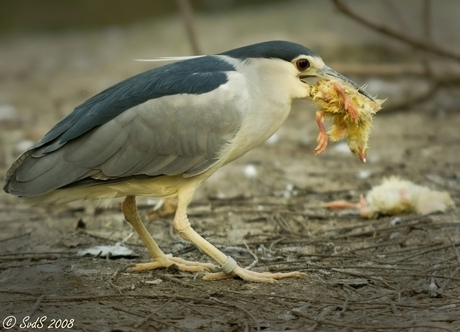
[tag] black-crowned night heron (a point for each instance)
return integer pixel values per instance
(163, 132)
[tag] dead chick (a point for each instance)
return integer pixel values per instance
(351, 114)
(396, 196)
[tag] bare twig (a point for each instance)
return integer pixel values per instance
(32, 258)
(422, 252)
(400, 17)
(409, 222)
(344, 306)
(368, 327)
(24, 253)
(420, 44)
(318, 318)
(353, 273)
(191, 308)
(380, 312)
(123, 297)
(187, 14)
(382, 70)
(114, 277)
(256, 259)
(435, 86)
(240, 308)
(149, 316)
(160, 321)
(110, 240)
(276, 242)
(37, 304)
(447, 281)
(15, 237)
(427, 21)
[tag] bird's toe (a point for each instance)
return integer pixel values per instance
(172, 262)
(252, 276)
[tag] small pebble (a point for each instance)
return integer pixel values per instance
(395, 221)
(287, 316)
(363, 174)
(250, 171)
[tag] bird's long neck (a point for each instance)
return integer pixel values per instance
(258, 125)
(267, 101)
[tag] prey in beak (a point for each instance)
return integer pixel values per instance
(350, 107)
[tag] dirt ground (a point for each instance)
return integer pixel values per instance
(388, 274)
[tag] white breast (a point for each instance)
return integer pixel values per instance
(266, 95)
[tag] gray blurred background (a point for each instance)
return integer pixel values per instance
(55, 54)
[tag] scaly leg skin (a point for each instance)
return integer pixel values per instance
(161, 260)
(229, 267)
(348, 104)
(264, 277)
(322, 136)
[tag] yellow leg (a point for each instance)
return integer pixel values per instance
(229, 267)
(129, 209)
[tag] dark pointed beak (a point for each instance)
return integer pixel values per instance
(330, 74)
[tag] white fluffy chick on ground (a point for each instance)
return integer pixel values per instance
(395, 196)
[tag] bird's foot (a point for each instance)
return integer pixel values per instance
(362, 206)
(322, 143)
(348, 104)
(247, 275)
(322, 136)
(168, 261)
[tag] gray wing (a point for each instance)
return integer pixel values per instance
(171, 135)
(195, 76)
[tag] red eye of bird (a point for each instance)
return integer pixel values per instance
(302, 64)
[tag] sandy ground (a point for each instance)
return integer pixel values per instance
(389, 274)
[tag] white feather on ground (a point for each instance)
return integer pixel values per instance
(115, 251)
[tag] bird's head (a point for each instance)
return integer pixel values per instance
(313, 66)
(282, 70)
(297, 59)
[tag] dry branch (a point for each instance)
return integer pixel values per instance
(368, 327)
(417, 43)
(436, 84)
(423, 45)
(382, 70)
(187, 15)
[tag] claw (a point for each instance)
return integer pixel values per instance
(362, 155)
